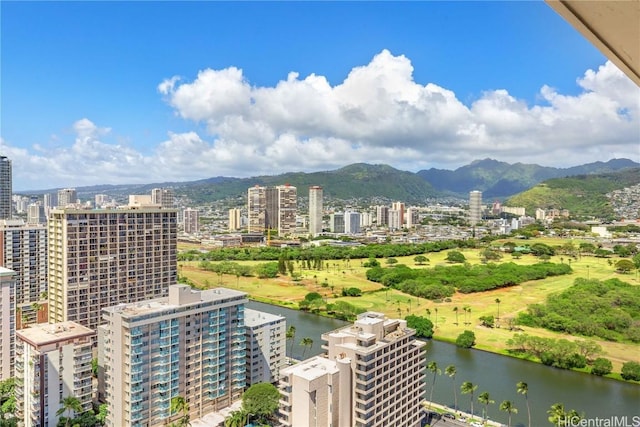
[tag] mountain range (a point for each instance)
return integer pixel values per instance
(496, 179)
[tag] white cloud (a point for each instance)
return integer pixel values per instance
(378, 114)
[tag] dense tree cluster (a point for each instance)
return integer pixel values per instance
(560, 353)
(443, 281)
(607, 309)
(422, 325)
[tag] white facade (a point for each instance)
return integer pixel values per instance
(8, 319)
(395, 222)
(351, 222)
(53, 361)
(373, 375)
(315, 210)
(67, 196)
(191, 221)
(164, 197)
(99, 258)
(475, 207)
(23, 249)
(189, 344)
(266, 346)
(235, 221)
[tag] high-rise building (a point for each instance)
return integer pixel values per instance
(394, 220)
(412, 217)
(189, 344)
(99, 258)
(164, 197)
(36, 214)
(53, 361)
(23, 249)
(336, 222)
(373, 375)
(235, 220)
(272, 208)
(399, 206)
(7, 322)
(382, 215)
(191, 221)
(266, 346)
(315, 210)
(351, 222)
(6, 188)
(66, 197)
(366, 219)
(475, 207)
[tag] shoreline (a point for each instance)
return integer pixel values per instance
(487, 349)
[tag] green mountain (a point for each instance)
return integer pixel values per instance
(499, 179)
(358, 180)
(582, 195)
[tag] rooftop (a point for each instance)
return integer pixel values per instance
(47, 333)
(313, 368)
(255, 317)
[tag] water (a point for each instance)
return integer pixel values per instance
(594, 396)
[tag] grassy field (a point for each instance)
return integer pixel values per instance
(340, 274)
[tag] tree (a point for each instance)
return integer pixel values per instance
(523, 388)
(262, 400)
(498, 315)
(467, 339)
(455, 310)
(485, 399)
(179, 405)
(421, 259)
(631, 371)
(456, 257)
(451, 372)
(557, 414)
(291, 334)
(468, 387)
(601, 366)
(306, 343)
(236, 419)
(624, 266)
(69, 404)
(487, 321)
(422, 325)
(433, 367)
(507, 406)
(103, 411)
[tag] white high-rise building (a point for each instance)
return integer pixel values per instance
(6, 188)
(67, 196)
(272, 208)
(382, 215)
(351, 222)
(412, 219)
(99, 258)
(336, 222)
(315, 210)
(164, 197)
(53, 361)
(266, 346)
(36, 214)
(373, 375)
(399, 206)
(235, 220)
(395, 222)
(191, 221)
(475, 207)
(189, 344)
(23, 249)
(7, 321)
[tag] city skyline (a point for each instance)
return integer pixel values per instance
(311, 87)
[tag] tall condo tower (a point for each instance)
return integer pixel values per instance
(475, 207)
(191, 221)
(164, 197)
(273, 208)
(5, 188)
(7, 322)
(399, 206)
(189, 344)
(235, 222)
(315, 210)
(100, 258)
(372, 375)
(67, 196)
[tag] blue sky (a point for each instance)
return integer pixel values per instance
(124, 92)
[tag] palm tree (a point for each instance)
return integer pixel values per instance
(436, 309)
(498, 316)
(236, 419)
(523, 388)
(467, 387)
(179, 404)
(307, 343)
(455, 310)
(69, 404)
(433, 367)
(451, 371)
(485, 399)
(291, 334)
(428, 313)
(557, 414)
(507, 406)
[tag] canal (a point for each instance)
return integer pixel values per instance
(593, 396)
